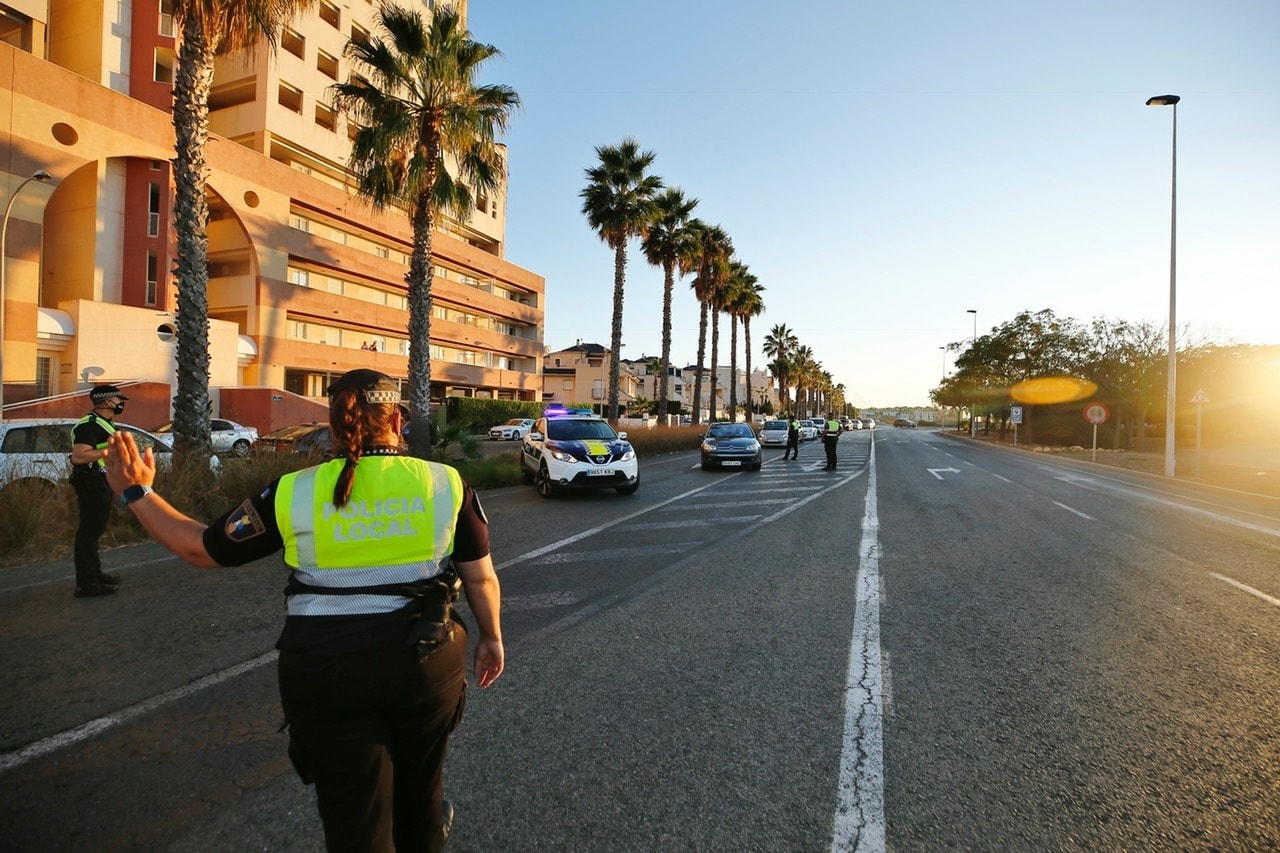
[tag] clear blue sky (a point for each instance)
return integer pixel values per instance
(883, 167)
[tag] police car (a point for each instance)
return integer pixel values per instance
(577, 449)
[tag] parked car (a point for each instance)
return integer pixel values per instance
(228, 436)
(808, 430)
(904, 423)
(36, 453)
(731, 446)
(307, 439)
(577, 449)
(868, 423)
(773, 432)
(513, 430)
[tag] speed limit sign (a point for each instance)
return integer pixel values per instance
(1096, 413)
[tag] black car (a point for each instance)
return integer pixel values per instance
(730, 446)
(906, 423)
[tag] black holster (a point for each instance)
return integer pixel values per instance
(433, 624)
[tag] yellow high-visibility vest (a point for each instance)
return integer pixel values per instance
(397, 528)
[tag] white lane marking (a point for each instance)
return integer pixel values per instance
(35, 750)
(693, 522)
(606, 554)
(1005, 479)
(935, 471)
(72, 577)
(859, 814)
(1246, 588)
(585, 534)
(1076, 511)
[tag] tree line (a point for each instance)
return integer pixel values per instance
(624, 200)
(1119, 363)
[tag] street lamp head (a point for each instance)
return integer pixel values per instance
(1163, 100)
(971, 311)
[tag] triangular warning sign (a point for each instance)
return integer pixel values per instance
(1200, 396)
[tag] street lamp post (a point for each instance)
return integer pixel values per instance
(973, 411)
(1171, 402)
(944, 363)
(43, 177)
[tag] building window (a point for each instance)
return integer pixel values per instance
(42, 376)
(292, 41)
(153, 211)
(359, 34)
(290, 97)
(165, 59)
(153, 273)
(382, 251)
(302, 278)
(327, 64)
(330, 15)
(300, 223)
(326, 117)
(166, 18)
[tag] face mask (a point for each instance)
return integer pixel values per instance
(118, 408)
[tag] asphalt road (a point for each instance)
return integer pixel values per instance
(939, 646)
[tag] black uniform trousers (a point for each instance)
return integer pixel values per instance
(793, 447)
(829, 445)
(371, 729)
(93, 496)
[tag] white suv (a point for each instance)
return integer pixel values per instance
(37, 453)
(577, 449)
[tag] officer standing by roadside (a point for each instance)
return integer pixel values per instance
(372, 666)
(830, 435)
(93, 496)
(793, 439)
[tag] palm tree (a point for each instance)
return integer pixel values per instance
(735, 291)
(415, 101)
(748, 303)
(779, 345)
(711, 259)
(803, 368)
(208, 27)
(618, 202)
(668, 239)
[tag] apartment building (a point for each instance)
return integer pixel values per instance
(579, 375)
(306, 279)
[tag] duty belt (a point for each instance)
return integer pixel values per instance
(430, 607)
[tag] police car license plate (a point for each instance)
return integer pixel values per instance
(600, 472)
(730, 462)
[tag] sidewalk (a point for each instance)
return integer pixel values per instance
(1254, 469)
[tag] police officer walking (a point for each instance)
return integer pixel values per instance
(793, 439)
(831, 430)
(89, 439)
(372, 666)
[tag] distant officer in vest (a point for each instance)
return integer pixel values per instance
(831, 430)
(793, 439)
(93, 496)
(372, 666)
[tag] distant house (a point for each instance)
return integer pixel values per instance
(580, 374)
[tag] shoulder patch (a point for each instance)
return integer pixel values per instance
(245, 523)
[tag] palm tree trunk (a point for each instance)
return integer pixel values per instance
(615, 344)
(668, 283)
(192, 406)
(418, 281)
(746, 343)
(702, 351)
(733, 368)
(715, 347)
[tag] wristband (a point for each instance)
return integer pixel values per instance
(134, 493)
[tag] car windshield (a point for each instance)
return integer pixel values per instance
(730, 431)
(773, 425)
(515, 422)
(576, 430)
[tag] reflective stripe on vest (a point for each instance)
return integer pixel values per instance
(397, 528)
(105, 424)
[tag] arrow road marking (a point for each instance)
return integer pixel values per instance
(938, 472)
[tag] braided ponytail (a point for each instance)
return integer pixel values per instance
(346, 420)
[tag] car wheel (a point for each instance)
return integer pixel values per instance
(629, 489)
(756, 465)
(543, 481)
(526, 476)
(707, 466)
(241, 447)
